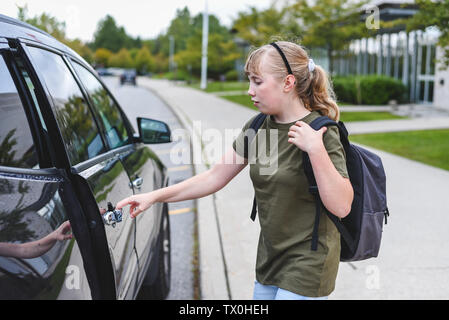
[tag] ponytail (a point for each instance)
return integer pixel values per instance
(320, 96)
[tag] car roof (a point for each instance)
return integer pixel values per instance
(13, 28)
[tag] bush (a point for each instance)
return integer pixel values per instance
(232, 75)
(369, 89)
(345, 89)
(178, 75)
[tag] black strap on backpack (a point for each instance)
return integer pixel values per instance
(317, 124)
(255, 125)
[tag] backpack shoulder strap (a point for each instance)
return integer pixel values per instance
(258, 120)
(322, 121)
(255, 125)
(317, 124)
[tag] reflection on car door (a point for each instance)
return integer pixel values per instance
(34, 208)
(37, 212)
(101, 169)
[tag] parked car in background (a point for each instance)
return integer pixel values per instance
(68, 154)
(103, 72)
(128, 76)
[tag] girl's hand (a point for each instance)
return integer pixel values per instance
(305, 137)
(63, 232)
(139, 203)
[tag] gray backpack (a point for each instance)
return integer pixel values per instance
(361, 229)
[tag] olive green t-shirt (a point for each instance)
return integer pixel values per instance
(286, 211)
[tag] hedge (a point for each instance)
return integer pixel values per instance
(369, 89)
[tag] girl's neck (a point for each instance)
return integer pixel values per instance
(293, 111)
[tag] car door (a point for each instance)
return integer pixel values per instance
(142, 165)
(37, 261)
(97, 173)
(118, 133)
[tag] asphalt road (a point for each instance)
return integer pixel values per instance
(140, 102)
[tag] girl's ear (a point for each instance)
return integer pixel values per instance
(290, 82)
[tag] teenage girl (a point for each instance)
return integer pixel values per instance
(292, 91)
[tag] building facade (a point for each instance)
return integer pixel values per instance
(411, 57)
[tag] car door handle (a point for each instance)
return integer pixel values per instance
(112, 216)
(137, 183)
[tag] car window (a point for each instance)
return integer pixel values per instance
(16, 142)
(31, 89)
(114, 125)
(76, 122)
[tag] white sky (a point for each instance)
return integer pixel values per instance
(144, 18)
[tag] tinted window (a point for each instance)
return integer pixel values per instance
(114, 125)
(77, 125)
(16, 143)
(31, 89)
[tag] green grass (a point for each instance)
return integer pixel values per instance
(427, 146)
(367, 116)
(224, 86)
(244, 100)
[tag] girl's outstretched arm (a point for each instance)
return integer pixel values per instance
(195, 187)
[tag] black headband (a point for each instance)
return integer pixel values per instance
(283, 57)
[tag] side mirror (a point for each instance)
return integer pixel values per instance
(153, 131)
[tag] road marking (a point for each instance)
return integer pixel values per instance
(180, 168)
(179, 211)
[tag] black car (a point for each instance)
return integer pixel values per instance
(128, 76)
(68, 154)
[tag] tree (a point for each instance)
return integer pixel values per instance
(433, 13)
(221, 55)
(222, 51)
(214, 26)
(13, 228)
(82, 49)
(330, 24)
(181, 28)
(121, 59)
(191, 56)
(110, 36)
(44, 22)
(161, 63)
(144, 62)
(56, 29)
(260, 27)
(101, 56)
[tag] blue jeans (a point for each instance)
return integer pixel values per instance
(264, 292)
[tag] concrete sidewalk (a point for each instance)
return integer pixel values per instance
(414, 257)
(427, 123)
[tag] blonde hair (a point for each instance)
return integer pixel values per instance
(312, 87)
